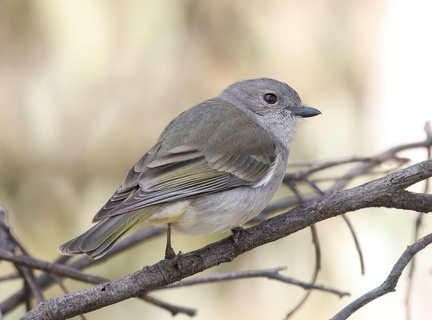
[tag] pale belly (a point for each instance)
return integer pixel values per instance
(222, 211)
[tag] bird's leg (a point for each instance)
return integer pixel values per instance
(237, 233)
(169, 251)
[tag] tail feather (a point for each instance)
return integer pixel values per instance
(97, 241)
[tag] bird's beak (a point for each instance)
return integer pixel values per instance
(305, 111)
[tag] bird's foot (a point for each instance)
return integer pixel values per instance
(237, 233)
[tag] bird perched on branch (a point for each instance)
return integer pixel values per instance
(214, 167)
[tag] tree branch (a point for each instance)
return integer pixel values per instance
(377, 193)
(52, 268)
(45, 279)
(389, 285)
(273, 274)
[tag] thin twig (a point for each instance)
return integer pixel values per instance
(356, 241)
(12, 276)
(273, 273)
(9, 242)
(52, 268)
(174, 310)
(45, 280)
(30, 281)
(315, 241)
(418, 224)
(389, 285)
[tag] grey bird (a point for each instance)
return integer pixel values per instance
(214, 167)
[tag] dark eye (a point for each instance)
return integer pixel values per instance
(270, 98)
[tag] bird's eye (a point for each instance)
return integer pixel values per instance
(270, 98)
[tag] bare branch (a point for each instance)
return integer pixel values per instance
(356, 241)
(266, 273)
(389, 285)
(376, 193)
(171, 308)
(45, 280)
(366, 164)
(317, 247)
(52, 268)
(418, 224)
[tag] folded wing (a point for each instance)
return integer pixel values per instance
(181, 173)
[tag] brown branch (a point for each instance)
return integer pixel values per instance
(68, 272)
(317, 268)
(356, 242)
(377, 193)
(45, 280)
(266, 273)
(12, 276)
(10, 243)
(364, 167)
(30, 282)
(52, 268)
(225, 276)
(389, 285)
(174, 310)
(418, 224)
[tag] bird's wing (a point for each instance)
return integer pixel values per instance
(183, 172)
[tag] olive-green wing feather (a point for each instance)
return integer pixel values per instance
(180, 176)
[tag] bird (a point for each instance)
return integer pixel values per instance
(213, 168)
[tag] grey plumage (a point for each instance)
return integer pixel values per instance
(214, 167)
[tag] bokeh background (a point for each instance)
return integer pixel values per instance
(87, 86)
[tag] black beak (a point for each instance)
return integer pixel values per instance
(305, 111)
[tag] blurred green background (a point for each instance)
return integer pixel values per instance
(87, 86)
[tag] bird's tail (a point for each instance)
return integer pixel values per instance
(97, 241)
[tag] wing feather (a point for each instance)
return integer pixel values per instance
(181, 175)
